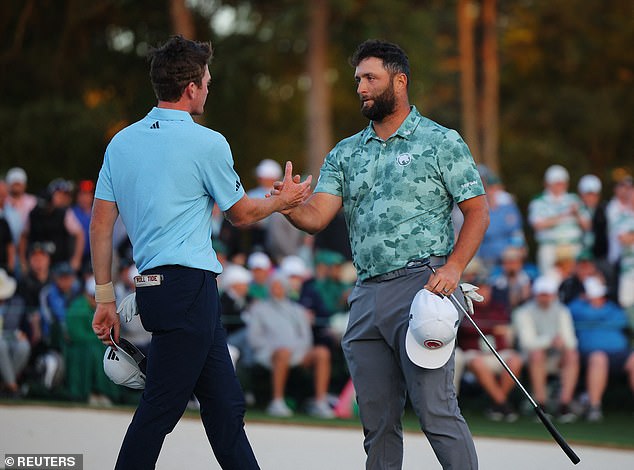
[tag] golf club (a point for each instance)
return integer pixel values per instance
(542, 416)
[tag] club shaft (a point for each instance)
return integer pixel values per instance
(540, 413)
(542, 416)
(495, 353)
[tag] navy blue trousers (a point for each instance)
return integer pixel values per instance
(188, 354)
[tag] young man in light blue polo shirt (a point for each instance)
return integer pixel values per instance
(397, 181)
(163, 174)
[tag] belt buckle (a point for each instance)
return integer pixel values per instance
(417, 263)
(148, 280)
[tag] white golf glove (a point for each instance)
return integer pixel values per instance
(470, 295)
(127, 308)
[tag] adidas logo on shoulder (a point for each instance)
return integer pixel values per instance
(112, 355)
(155, 125)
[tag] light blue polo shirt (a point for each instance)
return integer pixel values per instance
(164, 172)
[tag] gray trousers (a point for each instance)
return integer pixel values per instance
(383, 376)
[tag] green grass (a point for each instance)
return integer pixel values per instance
(614, 431)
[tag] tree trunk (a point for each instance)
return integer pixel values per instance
(318, 119)
(21, 25)
(490, 87)
(467, 12)
(182, 19)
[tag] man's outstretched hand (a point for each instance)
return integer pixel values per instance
(291, 191)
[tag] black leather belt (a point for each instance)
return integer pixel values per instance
(411, 266)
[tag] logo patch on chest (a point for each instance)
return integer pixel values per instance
(404, 159)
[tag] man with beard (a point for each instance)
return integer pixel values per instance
(397, 181)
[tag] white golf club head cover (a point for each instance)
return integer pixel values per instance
(470, 295)
(127, 308)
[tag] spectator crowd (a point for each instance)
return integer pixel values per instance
(562, 316)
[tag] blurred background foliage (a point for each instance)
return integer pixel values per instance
(74, 73)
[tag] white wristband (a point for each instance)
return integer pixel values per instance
(104, 293)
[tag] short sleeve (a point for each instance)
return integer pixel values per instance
(458, 168)
(330, 176)
(220, 178)
(103, 189)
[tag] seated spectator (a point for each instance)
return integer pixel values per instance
(557, 217)
(60, 191)
(48, 324)
(571, 286)
(547, 339)
(234, 302)
(53, 221)
(603, 344)
(297, 274)
(596, 238)
(37, 275)
(619, 206)
(513, 278)
(10, 214)
(623, 227)
(564, 263)
(279, 333)
(505, 226)
(328, 283)
(302, 289)
(493, 319)
(260, 266)
(30, 287)
(21, 201)
(14, 344)
(83, 353)
(55, 298)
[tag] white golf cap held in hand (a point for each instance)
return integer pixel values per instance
(125, 365)
(433, 325)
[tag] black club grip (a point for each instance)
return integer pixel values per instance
(574, 458)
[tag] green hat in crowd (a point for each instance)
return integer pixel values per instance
(329, 257)
(585, 255)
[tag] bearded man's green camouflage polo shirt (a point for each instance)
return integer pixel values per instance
(398, 194)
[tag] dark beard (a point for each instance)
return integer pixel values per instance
(384, 105)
